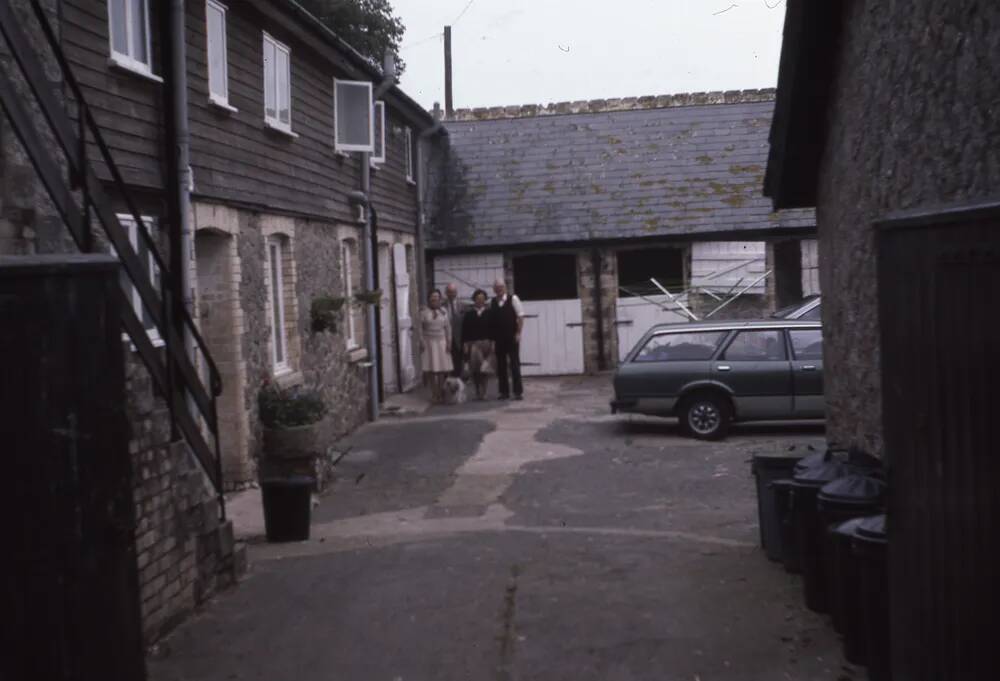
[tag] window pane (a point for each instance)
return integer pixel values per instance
(675, 347)
(217, 52)
(276, 305)
(119, 32)
(270, 104)
(354, 113)
(137, 30)
(756, 346)
(807, 343)
(283, 87)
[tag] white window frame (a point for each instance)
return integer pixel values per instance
(221, 100)
(378, 115)
(276, 296)
(125, 59)
(275, 121)
(345, 256)
(344, 146)
(132, 228)
(409, 154)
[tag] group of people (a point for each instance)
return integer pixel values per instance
(474, 340)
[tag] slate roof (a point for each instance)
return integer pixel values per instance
(645, 172)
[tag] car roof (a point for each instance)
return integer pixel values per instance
(731, 324)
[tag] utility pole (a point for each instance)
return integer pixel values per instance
(449, 105)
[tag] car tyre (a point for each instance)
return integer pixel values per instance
(705, 416)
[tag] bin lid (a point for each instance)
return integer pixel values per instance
(810, 460)
(852, 489)
(848, 527)
(821, 473)
(287, 481)
(872, 528)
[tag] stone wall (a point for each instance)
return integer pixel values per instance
(913, 123)
(607, 280)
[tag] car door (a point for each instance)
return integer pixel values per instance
(664, 364)
(755, 366)
(807, 372)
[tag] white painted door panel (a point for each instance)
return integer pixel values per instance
(552, 339)
(468, 272)
(387, 311)
(635, 316)
(404, 322)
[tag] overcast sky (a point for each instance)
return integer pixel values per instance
(540, 51)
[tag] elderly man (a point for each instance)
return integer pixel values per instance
(506, 321)
(456, 311)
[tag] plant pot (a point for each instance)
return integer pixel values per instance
(297, 442)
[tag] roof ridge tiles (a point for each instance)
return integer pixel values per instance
(615, 104)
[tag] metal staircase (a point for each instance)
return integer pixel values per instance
(82, 200)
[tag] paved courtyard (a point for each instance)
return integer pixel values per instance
(538, 540)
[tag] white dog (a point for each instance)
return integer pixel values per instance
(454, 390)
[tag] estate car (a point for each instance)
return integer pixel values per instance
(709, 374)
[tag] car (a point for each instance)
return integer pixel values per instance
(808, 308)
(711, 374)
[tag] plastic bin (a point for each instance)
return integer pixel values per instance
(869, 545)
(851, 496)
(767, 469)
(287, 508)
(845, 589)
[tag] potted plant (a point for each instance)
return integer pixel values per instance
(290, 417)
(324, 312)
(369, 297)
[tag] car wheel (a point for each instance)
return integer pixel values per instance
(706, 416)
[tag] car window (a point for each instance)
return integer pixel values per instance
(756, 346)
(807, 343)
(676, 347)
(813, 314)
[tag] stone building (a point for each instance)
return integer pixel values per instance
(274, 226)
(579, 205)
(886, 121)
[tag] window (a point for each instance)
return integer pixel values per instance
(276, 297)
(409, 155)
(218, 67)
(807, 343)
(277, 85)
(546, 276)
(756, 346)
(378, 156)
(636, 268)
(677, 347)
(353, 115)
(346, 248)
(129, 32)
(148, 261)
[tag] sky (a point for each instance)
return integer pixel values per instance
(507, 52)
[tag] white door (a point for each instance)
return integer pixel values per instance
(404, 323)
(635, 316)
(552, 338)
(386, 314)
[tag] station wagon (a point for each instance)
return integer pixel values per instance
(710, 374)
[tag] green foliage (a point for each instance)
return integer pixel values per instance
(369, 26)
(323, 312)
(369, 297)
(289, 407)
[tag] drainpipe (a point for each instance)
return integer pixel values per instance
(595, 261)
(420, 259)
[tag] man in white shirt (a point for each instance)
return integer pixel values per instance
(506, 322)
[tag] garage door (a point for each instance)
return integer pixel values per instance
(552, 339)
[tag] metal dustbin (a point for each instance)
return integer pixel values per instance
(767, 469)
(851, 496)
(287, 508)
(869, 546)
(806, 523)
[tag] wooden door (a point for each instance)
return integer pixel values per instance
(635, 316)
(404, 321)
(939, 290)
(552, 339)
(387, 319)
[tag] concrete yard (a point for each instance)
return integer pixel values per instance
(539, 540)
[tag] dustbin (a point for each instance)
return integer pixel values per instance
(768, 468)
(845, 590)
(805, 521)
(851, 496)
(869, 545)
(287, 508)
(782, 490)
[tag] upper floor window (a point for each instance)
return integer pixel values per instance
(378, 156)
(218, 65)
(129, 24)
(148, 262)
(277, 84)
(409, 155)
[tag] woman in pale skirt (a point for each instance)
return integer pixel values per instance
(436, 339)
(477, 342)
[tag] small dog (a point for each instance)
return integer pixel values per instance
(454, 390)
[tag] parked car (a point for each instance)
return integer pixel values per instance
(808, 308)
(709, 374)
